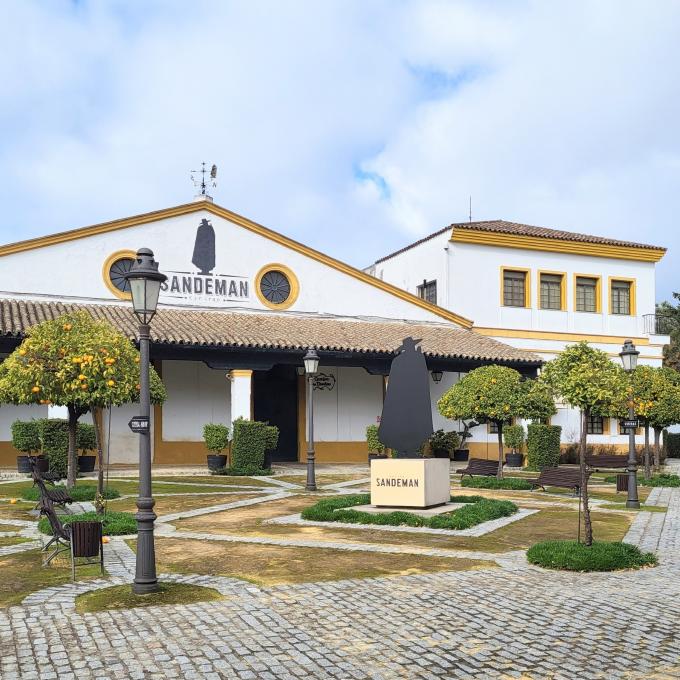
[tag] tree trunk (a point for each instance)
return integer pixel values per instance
(648, 468)
(73, 415)
(657, 449)
(97, 421)
(499, 474)
(587, 526)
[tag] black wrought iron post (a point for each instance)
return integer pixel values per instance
(311, 361)
(629, 356)
(145, 569)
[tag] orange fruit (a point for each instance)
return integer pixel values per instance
(139, 387)
(81, 377)
(35, 389)
(77, 360)
(111, 383)
(22, 351)
(83, 386)
(12, 500)
(105, 539)
(68, 326)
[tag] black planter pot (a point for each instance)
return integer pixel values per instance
(86, 463)
(216, 461)
(441, 453)
(461, 455)
(514, 459)
(24, 465)
(375, 456)
(267, 463)
(43, 464)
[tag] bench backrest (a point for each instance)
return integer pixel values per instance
(607, 461)
(560, 476)
(482, 465)
(86, 538)
(47, 509)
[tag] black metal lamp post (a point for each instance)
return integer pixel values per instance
(629, 357)
(145, 286)
(311, 360)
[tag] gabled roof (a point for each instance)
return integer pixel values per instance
(176, 326)
(516, 235)
(196, 206)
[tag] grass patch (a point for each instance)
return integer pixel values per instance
(115, 523)
(512, 483)
(268, 565)
(622, 506)
(122, 597)
(655, 480)
(177, 503)
(23, 574)
(12, 540)
(16, 511)
(601, 556)
(242, 472)
(477, 510)
(210, 479)
(80, 492)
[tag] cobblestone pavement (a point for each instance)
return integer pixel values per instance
(515, 621)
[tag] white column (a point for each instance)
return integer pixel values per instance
(241, 393)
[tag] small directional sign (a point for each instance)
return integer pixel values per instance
(630, 424)
(139, 424)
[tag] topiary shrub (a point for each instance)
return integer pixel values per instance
(86, 439)
(81, 492)
(600, 556)
(54, 443)
(513, 437)
(242, 472)
(373, 441)
(543, 446)
(443, 441)
(26, 436)
(216, 437)
(672, 444)
(114, 523)
(252, 439)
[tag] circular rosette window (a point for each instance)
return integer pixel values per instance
(276, 286)
(116, 266)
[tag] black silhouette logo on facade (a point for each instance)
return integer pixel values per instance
(204, 286)
(204, 248)
(406, 420)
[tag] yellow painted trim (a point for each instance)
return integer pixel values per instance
(118, 255)
(633, 294)
(556, 335)
(197, 206)
(563, 289)
(598, 292)
(553, 245)
(292, 280)
(240, 373)
(527, 285)
(611, 354)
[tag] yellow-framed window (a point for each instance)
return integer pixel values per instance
(598, 425)
(622, 296)
(515, 287)
(552, 292)
(587, 293)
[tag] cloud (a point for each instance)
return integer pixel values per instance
(351, 126)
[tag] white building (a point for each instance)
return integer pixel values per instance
(538, 289)
(241, 306)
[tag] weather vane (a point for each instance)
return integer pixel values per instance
(212, 178)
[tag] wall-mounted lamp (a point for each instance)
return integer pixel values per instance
(437, 376)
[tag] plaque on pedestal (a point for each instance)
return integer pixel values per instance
(410, 482)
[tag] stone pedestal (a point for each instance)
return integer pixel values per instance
(410, 482)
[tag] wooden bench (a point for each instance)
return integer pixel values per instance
(58, 496)
(607, 462)
(566, 478)
(480, 466)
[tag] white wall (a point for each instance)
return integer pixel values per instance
(196, 395)
(239, 253)
(343, 413)
(10, 413)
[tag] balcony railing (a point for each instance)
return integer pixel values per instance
(659, 324)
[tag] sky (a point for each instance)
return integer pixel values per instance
(355, 127)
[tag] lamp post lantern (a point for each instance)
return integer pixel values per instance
(145, 286)
(311, 361)
(629, 357)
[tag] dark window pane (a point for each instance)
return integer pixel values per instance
(586, 294)
(595, 425)
(514, 289)
(620, 297)
(428, 291)
(551, 291)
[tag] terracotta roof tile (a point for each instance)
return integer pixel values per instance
(503, 227)
(173, 326)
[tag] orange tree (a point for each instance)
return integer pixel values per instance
(666, 409)
(586, 379)
(77, 362)
(496, 394)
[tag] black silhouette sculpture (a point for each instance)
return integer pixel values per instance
(406, 420)
(204, 248)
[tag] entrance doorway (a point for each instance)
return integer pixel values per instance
(275, 400)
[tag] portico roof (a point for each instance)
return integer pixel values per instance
(226, 329)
